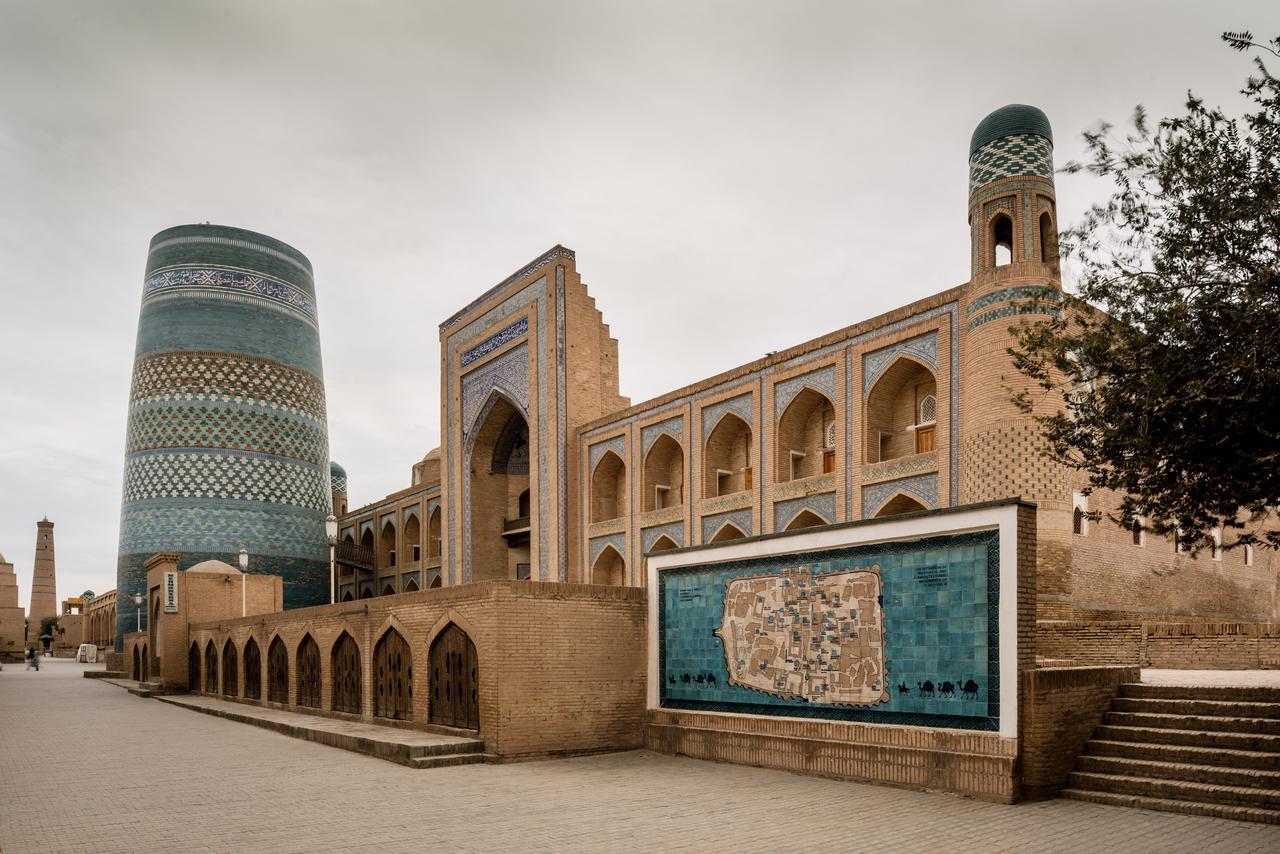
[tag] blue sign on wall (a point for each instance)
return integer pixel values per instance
(896, 633)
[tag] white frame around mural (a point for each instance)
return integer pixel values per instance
(1002, 517)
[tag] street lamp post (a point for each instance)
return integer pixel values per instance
(137, 612)
(331, 534)
(244, 582)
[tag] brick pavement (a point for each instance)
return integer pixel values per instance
(85, 766)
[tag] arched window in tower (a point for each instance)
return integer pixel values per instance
(1048, 240)
(1077, 521)
(609, 488)
(728, 458)
(663, 484)
(1002, 240)
(802, 435)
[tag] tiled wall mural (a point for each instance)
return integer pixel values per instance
(901, 633)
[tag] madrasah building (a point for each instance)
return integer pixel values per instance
(546, 472)
(850, 558)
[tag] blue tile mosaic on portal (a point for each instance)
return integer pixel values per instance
(936, 633)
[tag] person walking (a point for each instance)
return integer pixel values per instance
(31, 659)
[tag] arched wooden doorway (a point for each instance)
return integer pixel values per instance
(210, 668)
(277, 672)
(252, 670)
(454, 682)
(193, 667)
(137, 665)
(309, 673)
(392, 677)
(346, 675)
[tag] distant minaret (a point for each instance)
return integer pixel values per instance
(44, 593)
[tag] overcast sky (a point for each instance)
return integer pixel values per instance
(736, 177)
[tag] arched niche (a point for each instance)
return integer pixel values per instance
(901, 413)
(663, 483)
(728, 531)
(803, 430)
(500, 535)
(727, 458)
(900, 503)
(609, 568)
(805, 519)
(609, 488)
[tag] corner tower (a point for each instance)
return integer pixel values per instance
(227, 443)
(1014, 279)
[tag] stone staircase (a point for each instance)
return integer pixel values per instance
(1194, 750)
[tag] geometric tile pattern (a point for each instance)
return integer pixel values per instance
(673, 531)
(923, 487)
(242, 428)
(1044, 292)
(822, 380)
(194, 375)
(740, 518)
(900, 467)
(207, 282)
(618, 444)
(924, 347)
(740, 406)
(1013, 311)
(1019, 154)
(217, 526)
(509, 374)
(618, 541)
(493, 342)
(940, 619)
(672, 426)
(824, 505)
(198, 474)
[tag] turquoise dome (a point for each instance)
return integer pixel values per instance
(1011, 120)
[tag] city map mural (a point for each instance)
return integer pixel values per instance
(902, 633)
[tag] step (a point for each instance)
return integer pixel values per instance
(1238, 813)
(1178, 790)
(1189, 737)
(1204, 708)
(1260, 760)
(1198, 723)
(427, 751)
(1229, 693)
(105, 674)
(1159, 770)
(447, 760)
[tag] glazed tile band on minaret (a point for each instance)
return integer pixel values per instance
(227, 444)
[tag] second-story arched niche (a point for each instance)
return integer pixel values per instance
(901, 412)
(609, 488)
(728, 458)
(803, 433)
(663, 483)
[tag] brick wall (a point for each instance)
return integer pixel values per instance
(1195, 646)
(1061, 707)
(560, 666)
(977, 764)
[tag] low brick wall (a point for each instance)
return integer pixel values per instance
(1193, 646)
(1061, 707)
(976, 764)
(560, 666)
(1213, 646)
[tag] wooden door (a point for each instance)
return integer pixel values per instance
(309, 673)
(454, 682)
(346, 676)
(924, 439)
(193, 668)
(277, 672)
(392, 677)
(828, 462)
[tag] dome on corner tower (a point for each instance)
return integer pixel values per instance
(337, 477)
(1010, 120)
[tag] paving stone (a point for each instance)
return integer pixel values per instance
(85, 766)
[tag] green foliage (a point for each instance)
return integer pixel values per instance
(1172, 390)
(47, 625)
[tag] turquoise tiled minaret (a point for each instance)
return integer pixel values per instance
(227, 444)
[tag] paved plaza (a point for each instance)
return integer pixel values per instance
(86, 767)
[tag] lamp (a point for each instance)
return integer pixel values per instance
(331, 534)
(137, 606)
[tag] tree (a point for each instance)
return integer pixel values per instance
(47, 625)
(1168, 358)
